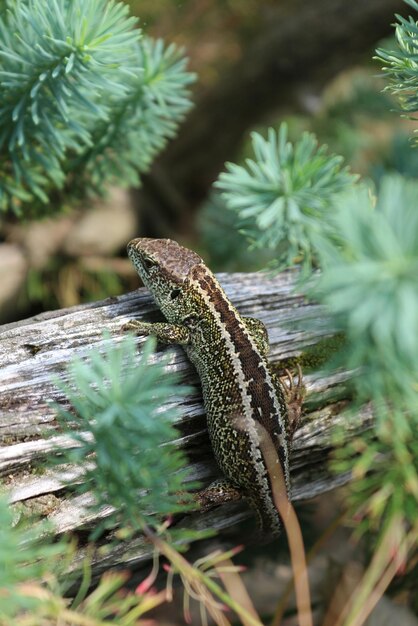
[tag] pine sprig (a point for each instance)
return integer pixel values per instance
(369, 284)
(285, 194)
(123, 412)
(82, 99)
(401, 65)
(142, 121)
(53, 55)
(34, 583)
(385, 470)
(23, 557)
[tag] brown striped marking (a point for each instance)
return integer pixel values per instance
(260, 390)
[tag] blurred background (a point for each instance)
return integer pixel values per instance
(257, 63)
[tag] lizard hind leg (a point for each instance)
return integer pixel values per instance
(294, 395)
(259, 333)
(219, 492)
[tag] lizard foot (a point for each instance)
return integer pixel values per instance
(294, 395)
(219, 492)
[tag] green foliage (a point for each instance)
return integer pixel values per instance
(141, 122)
(367, 249)
(32, 593)
(22, 558)
(402, 64)
(369, 284)
(84, 100)
(385, 471)
(123, 414)
(285, 195)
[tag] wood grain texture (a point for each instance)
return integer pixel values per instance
(34, 351)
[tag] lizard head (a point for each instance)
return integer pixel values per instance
(163, 266)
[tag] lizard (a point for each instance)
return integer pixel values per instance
(241, 393)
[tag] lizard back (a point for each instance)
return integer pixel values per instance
(239, 391)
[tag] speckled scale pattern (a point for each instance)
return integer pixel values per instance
(238, 386)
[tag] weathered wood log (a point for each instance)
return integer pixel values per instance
(35, 350)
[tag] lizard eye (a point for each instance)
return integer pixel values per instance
(148, 263)
(175, 294)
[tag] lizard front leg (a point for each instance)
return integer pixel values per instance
(164, 332)
(220, 491)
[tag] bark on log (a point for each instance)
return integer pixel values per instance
(303, 46)
(32, 351)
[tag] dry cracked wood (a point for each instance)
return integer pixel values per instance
(34, 351)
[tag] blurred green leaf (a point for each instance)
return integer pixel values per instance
(401, 64)
(26, 554)
(369, 284)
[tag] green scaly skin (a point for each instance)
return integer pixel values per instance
(243, 399)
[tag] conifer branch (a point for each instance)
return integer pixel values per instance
(84, 100)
